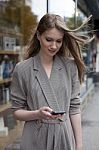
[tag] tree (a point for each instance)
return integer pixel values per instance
(17, 13)
(70, 22)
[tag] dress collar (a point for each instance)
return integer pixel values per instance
(57, 64)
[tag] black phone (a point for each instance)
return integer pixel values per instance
(58, 112)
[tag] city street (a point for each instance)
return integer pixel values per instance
(90, 123)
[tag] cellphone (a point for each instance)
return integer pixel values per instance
(58, 112)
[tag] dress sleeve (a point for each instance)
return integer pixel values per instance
(18, 89)
(75, 102)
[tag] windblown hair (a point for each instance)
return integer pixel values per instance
(71, 41)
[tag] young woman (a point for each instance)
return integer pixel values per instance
(49, 81)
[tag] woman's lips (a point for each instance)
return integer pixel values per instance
(52, 51)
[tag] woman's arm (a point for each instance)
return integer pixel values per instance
(42, 113)
(75, 107)
(27, 115)
(77, 130)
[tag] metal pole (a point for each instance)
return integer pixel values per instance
(75, 16)
(47, 7)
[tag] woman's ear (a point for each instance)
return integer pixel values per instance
(38, 35)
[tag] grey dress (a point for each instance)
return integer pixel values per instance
(31, 89)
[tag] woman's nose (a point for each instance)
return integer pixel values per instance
(54, 45)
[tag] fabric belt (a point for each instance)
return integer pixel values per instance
(54, 121)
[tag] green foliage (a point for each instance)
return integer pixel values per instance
(72, 23)
(17, 13)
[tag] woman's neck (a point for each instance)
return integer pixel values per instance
(46, 60)
(47, 63)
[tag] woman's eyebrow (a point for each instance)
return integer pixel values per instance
(53, 38)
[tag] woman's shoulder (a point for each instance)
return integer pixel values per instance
(69, 61)
(25, 62)
(70, 66)
(24, 65)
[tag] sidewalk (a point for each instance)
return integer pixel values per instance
(90, 123)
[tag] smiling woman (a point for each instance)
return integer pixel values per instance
(49, 81)
(50, 41)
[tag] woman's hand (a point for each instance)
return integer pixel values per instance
(42, 113)
(45, 113)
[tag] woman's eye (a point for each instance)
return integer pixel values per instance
(59, 41)
(49, 40)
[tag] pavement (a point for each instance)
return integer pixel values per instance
(90, 122)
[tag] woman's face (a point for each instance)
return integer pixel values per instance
(50, 42)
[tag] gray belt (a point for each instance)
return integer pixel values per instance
(54, 121)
